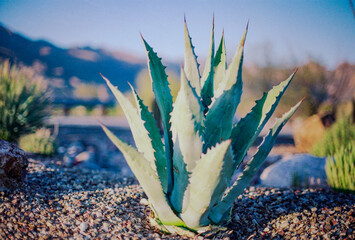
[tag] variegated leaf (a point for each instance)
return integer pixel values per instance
(140, 134)
(164, 100)
(154, 134)
(204, 179)
(148, 180)
(248, 128)
(252, 167)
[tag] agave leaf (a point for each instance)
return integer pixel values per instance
(141, 136)
(148, 179)
(187, 121)
(187, 118)
(207, 76)
(234, 70)
(252, 167)
(219, 64)
(191, 65)
(156, 143)
(190, 97)
(204, 179)
(223, 184)
(219, 119)
(180, 194)
(248, 128)
(164, 100)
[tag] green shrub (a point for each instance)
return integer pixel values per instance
(40, 142)
(23, 103)
(188, 177)
(341, 134)
(341, 169)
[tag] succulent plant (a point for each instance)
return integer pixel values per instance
(187, 176)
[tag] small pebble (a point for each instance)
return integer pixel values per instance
(83, 226)
(144, 201)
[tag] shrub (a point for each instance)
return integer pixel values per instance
(40, 142)
(187, 179)
(23, 103)
(78, 111)
(339, 135)
(340, 169)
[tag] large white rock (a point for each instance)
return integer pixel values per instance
(301, 170)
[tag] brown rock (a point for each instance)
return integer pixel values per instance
(13, 163)
(307, 134)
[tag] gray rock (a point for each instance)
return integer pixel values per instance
(73, 150)
(86, 156)
(299, 170)
(68, 161)
(87, 159)
(13, 163)
(271, 159)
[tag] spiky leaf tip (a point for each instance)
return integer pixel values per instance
(191, 65)
(207, 76)
(219, 64)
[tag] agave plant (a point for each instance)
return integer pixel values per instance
(187, 176)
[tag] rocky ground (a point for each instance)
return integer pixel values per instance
(78, 203)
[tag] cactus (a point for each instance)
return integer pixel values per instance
(187, 176)
(340, 169)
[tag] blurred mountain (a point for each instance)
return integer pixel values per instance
(67, 68)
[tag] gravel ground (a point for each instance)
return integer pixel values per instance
(75, 203)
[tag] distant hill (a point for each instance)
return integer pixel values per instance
(65, 66)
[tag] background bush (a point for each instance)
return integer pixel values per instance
(340, 134)
(341, 169)
(322, 88)
(23, 102)
(40, 142)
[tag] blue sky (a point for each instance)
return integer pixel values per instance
(286, 32)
